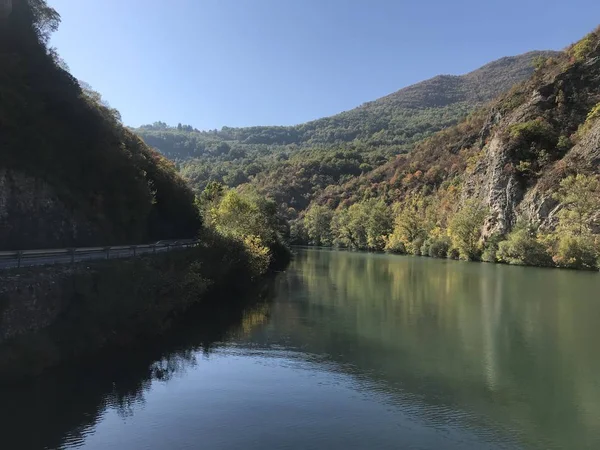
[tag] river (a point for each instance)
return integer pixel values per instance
(345, 351)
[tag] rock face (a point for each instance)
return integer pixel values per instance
(33, 217)
(523, 159)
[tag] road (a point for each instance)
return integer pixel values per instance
(31, 258)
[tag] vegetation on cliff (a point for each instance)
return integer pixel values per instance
(516, 182)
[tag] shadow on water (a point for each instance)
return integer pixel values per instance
(63, 406)
(508, 354)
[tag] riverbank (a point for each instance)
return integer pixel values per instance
(54, 314)
(490, 256)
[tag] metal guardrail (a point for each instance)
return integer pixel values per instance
(30, 258)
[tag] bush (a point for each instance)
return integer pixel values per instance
(523, 248)
(414, 247)
(395, 245)
(436, 247)
(453, 253)
(426, 247)
(490, 250)
(576, 252)
(584, 47)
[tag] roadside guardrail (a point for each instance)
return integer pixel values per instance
(29, 258)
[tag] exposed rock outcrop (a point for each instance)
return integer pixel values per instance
(527, 151)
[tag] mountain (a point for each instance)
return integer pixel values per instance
(517, 180)
(70, 173)
(521, 143)
(395, 119)
(291, 164)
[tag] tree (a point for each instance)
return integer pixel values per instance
(465, 229)
(409, 225)
(522, 247)
(340, 229)
(317, 222)
(247, 219)
(580, 199)
(379, 223)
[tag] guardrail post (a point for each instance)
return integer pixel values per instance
(153, 248)
(72, 253)
(19, 257)
(107, 250)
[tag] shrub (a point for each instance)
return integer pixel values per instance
(395, 245)
(587, 125)
(490, 250)
(564, 144)
(436, 247)
(583, 48)
(414, 247)
(453, 253)
(532, 130)
(576, 252)
(523, 248)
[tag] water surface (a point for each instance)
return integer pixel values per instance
(348, 351)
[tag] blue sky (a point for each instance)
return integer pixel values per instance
(212, 63)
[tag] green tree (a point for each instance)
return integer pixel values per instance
(523, 248)
(379, 223)
(317, 223)
(341, 231)
(248, 219)
(465, 229)
(409, 226)
(580, 199)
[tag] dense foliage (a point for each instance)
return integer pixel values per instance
(426, 194)
(55, 128)
(439, 226)
(249, 220)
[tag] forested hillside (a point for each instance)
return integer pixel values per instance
(293, 164)
(70, 172)
(516, 182)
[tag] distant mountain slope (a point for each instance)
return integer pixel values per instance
(294, 163)
(398, 118)
(510, 155)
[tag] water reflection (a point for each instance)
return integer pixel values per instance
(514, 348)
(347, 350)
(64, 407)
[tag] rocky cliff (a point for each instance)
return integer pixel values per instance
(512, 154)
(527, 149)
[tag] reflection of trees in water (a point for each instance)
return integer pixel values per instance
(515, 345)
(66, 404)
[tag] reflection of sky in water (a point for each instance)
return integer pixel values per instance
(282, 401)
(354, 351)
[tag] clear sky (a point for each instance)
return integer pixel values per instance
(211, 63)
